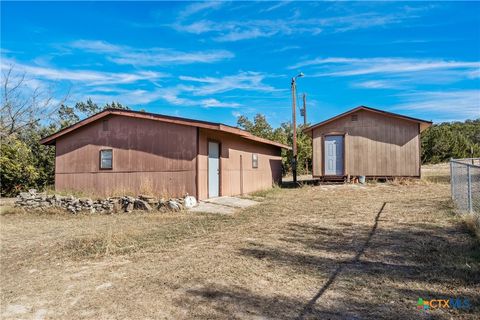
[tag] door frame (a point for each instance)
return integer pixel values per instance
(241, 175)
(219, 167)
(344, 135)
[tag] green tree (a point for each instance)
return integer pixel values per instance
(87, 108)
(44, 156)
(17, 170)
(283, 134)
(70, 115)
(259, 127)
(115, 105)
(448, 140)
(67, 116)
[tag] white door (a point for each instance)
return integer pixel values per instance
(333, 155)
(213, 169)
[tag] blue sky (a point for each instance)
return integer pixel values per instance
(217, 60)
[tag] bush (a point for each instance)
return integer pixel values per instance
(17, 171)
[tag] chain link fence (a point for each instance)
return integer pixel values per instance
(465, 184)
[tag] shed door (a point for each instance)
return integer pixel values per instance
(334, 155)
(213, 169)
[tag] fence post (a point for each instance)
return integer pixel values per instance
(469, 188)
(452, 190)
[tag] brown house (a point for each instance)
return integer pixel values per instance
(367, 142)
(120, 152)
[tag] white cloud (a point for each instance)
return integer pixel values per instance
(95, 45)
(198, 7)
(162, 57)
(172, 96)
(183, 94)
(186, 94)
(87, 77)
(120, 54)
(462, 103)
(231, 31)
(197, 27)
(377, 84)
(236, 30)
(287, 48)
(198, 79)
(474, 74)
(280, 4)
(362, 66)
(242, 81)
(127, 97)
(214, 103)
(251, 33)
(374, 73)
(236, 114)
(105, 87)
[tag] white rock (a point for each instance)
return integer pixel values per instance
(104, 286)
(190, 202)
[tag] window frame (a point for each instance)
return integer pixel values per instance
(254, 160)
(100, 159)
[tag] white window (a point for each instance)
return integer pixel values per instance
(254, 160)
(106, 159)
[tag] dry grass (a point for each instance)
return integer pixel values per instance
(266, 192)
(436, 173)
(313, 252)
(472, 223)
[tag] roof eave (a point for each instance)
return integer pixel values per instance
(423, 123)
(51, 139)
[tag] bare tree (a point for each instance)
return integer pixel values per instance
(22, 105)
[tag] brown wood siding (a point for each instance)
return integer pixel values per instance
(375, 145)
(148, 156)
(233, 149)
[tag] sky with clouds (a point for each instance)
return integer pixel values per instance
(218, 60)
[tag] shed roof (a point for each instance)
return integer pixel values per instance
(51, 139)
(423, 123)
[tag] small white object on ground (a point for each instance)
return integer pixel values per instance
(190, 202)
(104, 286)
(14, 309)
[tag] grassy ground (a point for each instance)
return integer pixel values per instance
(329, 252)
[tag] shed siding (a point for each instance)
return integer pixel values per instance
(269, 169)
(148, 156)
(375, 145)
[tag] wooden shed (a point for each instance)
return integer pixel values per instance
(367, 142)
(130, 152)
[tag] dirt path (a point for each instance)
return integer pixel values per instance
(343, 252)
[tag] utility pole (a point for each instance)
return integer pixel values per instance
(294, 126)
(304, 110)
(304, 114)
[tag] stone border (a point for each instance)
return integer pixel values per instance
(33, 200)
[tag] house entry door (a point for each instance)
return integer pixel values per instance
(333, 155)
(213, 169)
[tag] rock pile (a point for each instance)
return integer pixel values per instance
(33, 200)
